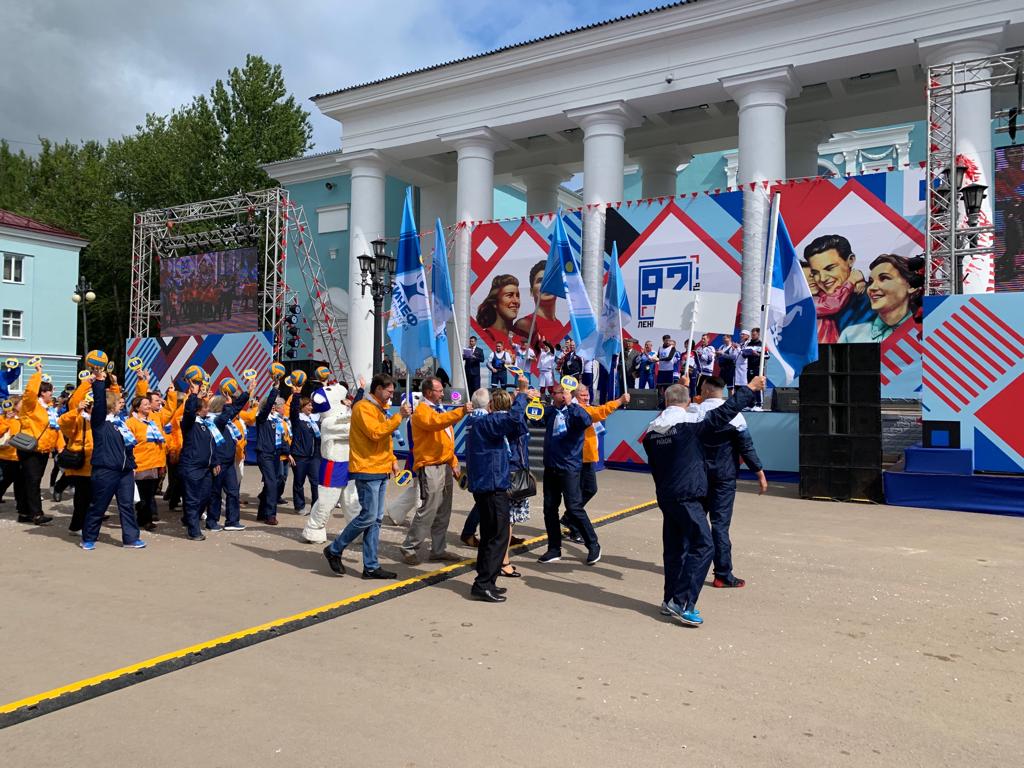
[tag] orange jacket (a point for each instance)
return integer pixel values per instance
(77, 432)
(597, 413)
(12, 425)
(433, 436)
(174, 439)
(369, 440)
(245, 419)
(34, 417)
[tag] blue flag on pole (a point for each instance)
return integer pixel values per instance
(442, 299)
(615, 303)
(792, 321)
(562, 278)
(409, 326)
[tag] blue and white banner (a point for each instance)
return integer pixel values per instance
(409, 324)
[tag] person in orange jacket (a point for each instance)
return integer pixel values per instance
(10, 425)
(149, 417)
(38, 419)
(435, 464)
(173, 493)
(75, 425)
(588, 475)
(371, 463)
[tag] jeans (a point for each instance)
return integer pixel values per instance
(472, 521)
(371, 489)
(196, 483)
(687, 549)
(560, 484)
(225, 483)
(270, 496)
(719, 504)
(306, 468)
(106, 484)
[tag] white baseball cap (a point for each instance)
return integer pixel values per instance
(744, 332)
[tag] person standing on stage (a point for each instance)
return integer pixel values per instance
(113, 466)
(668, 360)
(39, 420)
(588, 474)
(675, 455)
(524, 357)
(565, 425)
(270, 447)
(753, 351)
(495, 423)
(645, 364)
(371, 463)
(723, 450)
(727, 356)
(546, 367)
(498, 365)
(473, 357)
(571, 363)
(435, 465)
(705, 360)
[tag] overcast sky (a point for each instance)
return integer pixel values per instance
(92, 69)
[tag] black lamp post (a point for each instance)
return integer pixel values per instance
(377, 273)
(82, 295)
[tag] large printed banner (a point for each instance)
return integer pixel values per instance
(974, 374)
(222, 356)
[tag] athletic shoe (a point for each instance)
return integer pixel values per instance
(139, 544)
(334, 561)
(200, 537)
(594, 555)
(551, 556)
(666, 612)
(214, 527)
(689, 618)
(88, 546)
(728, 582)
(235, 527)
(378, 573)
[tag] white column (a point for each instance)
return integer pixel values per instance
(973, 115)
(658, 169)
(802, 140)
(542, 184)
(604, 129)
(761, 97)
(366, 224)
(474, 201)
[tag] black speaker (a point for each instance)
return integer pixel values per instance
(643, 400)
(814, 389)
(786, 400)
(864, 358)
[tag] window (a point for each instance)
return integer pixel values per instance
(333, 219)
(12, 268)
(12, 324)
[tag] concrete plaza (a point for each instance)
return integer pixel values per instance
(867, 635)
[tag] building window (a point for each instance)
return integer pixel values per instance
(13, 268)
(12, 324)
(333, 219)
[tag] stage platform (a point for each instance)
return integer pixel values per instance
(995, 494)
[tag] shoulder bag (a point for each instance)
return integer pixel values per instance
(522, 484)
(71, 459)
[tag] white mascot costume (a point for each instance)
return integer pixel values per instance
(335, 421)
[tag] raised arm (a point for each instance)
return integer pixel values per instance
(99, 405)
(231, 410)
(432, 421)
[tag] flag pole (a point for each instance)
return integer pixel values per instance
(773, 230)
(693, 330)
(622, 359)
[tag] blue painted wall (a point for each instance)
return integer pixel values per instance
(50, 318)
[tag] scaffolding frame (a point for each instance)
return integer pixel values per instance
(948, 241)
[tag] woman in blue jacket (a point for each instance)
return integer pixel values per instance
(113, 467)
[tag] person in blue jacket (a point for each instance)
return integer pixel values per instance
(565, 424)
(675, 454)
(723, 450)
(201, 436)
(495, 422)
(223, 412)
(270, 447)
(305, 451)
(113, 467)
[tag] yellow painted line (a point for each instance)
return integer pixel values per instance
(199, 647)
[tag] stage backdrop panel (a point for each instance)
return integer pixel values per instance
(222, 356)
(1009, 218)
(974, 374)
(206, 292)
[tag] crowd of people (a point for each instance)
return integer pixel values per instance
(113, 448)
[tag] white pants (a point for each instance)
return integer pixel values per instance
(315, 531)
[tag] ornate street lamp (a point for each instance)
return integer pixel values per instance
(83, 294)
(377, 273)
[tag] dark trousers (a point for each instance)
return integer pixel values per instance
(494, 534)
(718, 505)
(54, 474)
(588, 489)
(306, 468)
(472, 521)
(561, 485)
(173, 493)
(146, 507)
(270, 496)
(63, 482)
(9, 471)
(647, 380)
(473, 382)
(33, 467)
(196, 483)
(687, 549)
(499, 379)
(225, 484)
(106, 484)
(80, 504)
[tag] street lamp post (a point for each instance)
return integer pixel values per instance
(377, 272)
(83, 294)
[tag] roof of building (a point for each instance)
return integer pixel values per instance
(16, 221)
(509, 47)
